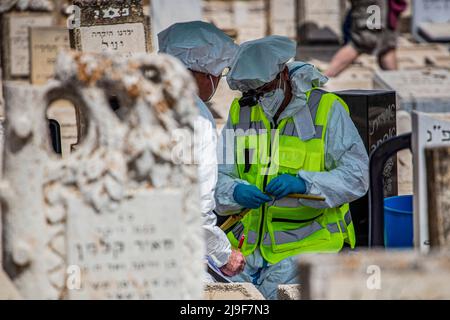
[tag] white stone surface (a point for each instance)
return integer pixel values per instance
(429, 11)
(375, 275)
(17, 41)
(428, 130)
(420, 90)
(91, 204)
(232, 291)
(164, 13)
(126, 39)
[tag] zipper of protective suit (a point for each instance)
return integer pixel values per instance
(265, 184)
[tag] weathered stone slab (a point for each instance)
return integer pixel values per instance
(438, 174)
(428, 130)
(65, 114)
(7, 289)
(15, 41)
(118, 27)
(283, 18)
(137, 256)
(375, 275)
(164, 13)
(232, 291)
(119, 218)
(289, 292)
(45, 44)
(429, 11)
(420, 90)
(319, 23)
(436, 32)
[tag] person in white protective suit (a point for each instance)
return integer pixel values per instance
(206, 51)
(294, 138)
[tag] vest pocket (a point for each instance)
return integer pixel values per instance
(292, 157)
(289, 233)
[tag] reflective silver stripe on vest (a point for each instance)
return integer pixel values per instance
(343, 227)
(290, 130)
(319, 131)
(348, 218)
(333, 228)
(282, 237)
(238, 230)
(314, 102)
(252, 237)
(287, 203)
(245, 115)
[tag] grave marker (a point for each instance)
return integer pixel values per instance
(420, 90)
(429, 15)
(45, 44)
(319, 23)
(438, 173)
(111, 27)
(16, 44)
(375, 275)
(374, 115)
(428, 130)
(110, 220)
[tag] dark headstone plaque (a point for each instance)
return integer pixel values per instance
(374, 115)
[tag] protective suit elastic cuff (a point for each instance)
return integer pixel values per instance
(221, 259)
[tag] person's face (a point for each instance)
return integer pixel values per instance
(275, 83)
(207, 84)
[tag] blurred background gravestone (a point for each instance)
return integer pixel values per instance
(15, 34)
(428, 130)
(375, 275)
(431, 20)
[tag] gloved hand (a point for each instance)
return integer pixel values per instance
(249, 196)
(284, 185)
(235, 264)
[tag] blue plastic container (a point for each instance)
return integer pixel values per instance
(398, 222)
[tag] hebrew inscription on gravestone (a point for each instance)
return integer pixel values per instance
(114, 26)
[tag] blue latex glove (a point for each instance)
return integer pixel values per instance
(250, 196)
(284, 185)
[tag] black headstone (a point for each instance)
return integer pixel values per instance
(374, 115)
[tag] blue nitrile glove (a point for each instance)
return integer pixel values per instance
(284, 185)
(249, 196)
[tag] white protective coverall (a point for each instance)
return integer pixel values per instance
(202, 47)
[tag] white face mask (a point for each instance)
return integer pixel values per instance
(214, 88)
(271, 101)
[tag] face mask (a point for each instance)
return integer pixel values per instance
(214, 88)
(271, 101)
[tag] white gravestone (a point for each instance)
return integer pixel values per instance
(164, 13)
(16, 44)
(428, 130)
(429, 11)
(119, 218)
(420, 90)
(45, 44)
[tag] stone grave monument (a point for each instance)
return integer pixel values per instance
(428, 130)
(119, 218)
(119, 27)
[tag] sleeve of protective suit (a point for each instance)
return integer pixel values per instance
(346, 162)
(218, 247)
(228, 175)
